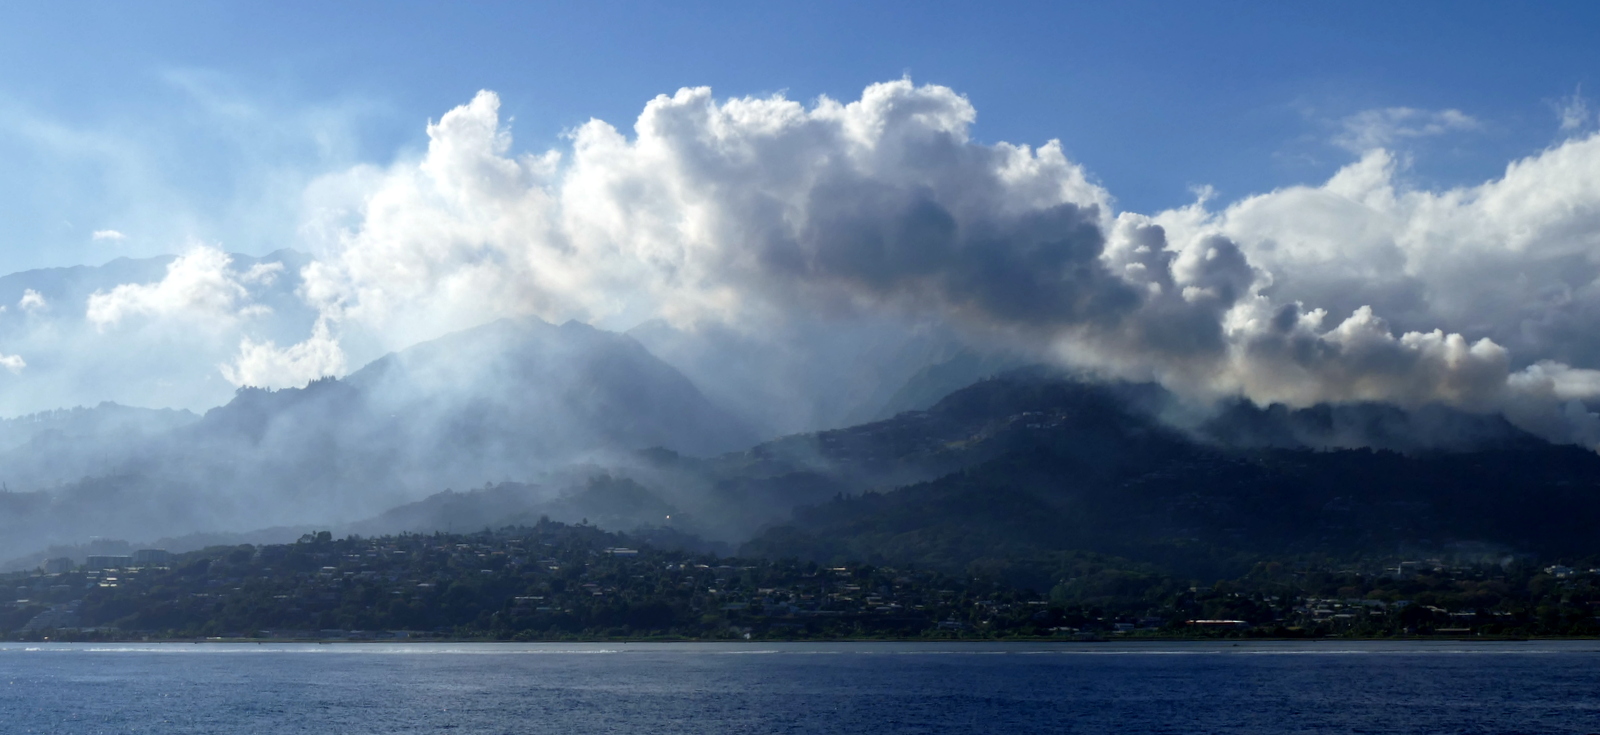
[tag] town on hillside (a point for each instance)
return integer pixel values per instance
(554, 581)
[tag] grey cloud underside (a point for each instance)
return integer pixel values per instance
(1041, 268)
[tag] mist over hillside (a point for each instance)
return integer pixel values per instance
(523, 420)
(810, 375)
(1060, 467)
(1094, 436)
(89, 425)
(511, 400)
(825, 327)
(53, 448)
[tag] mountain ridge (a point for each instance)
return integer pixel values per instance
(347, 449)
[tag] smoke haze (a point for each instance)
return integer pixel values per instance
(736, 270)
(758, 217)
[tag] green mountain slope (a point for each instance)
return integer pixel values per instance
(1085, 472)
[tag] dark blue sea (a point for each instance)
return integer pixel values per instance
(1321, 687)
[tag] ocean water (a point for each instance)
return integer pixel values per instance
(1321, 687)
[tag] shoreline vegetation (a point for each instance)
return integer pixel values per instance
(378, 637)
(553, 582)
(1112, 641)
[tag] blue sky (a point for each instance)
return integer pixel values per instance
(182, 122)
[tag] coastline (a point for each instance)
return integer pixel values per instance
(1151, 641)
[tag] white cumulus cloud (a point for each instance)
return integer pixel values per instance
(108, 235)
(32, 301)
(750, 211)
(263, 364)
(200, 285)
(1513, 262)
(711, 210)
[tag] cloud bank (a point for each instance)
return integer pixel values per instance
(758, 214)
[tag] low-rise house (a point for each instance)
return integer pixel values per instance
(151, 557)
(98, 562)
(60, 565)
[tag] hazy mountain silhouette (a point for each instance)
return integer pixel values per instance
(601, 500)
(1008, 473)
(507, 400)
(1072, 467)
(49, 448)
(805, 376)
(1092, 432)
(1361, 425)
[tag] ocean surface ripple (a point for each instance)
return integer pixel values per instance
(1321, 687)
